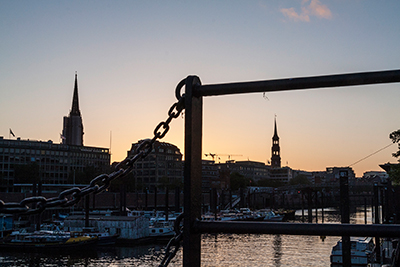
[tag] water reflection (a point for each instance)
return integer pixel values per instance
(277, 250)
(149, 255)
(218, 250)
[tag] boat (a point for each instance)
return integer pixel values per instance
(287, 214)
(245, 214)
(46, 240)
(162, 228)
(103, 238)
(270, 216)
(362, 252)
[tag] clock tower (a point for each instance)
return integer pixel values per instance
(276, 150)
(72, 133)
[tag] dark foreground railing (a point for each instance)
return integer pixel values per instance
(193, 228)
(381, 230)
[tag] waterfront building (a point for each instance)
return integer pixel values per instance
(210, 177)
(318, 177)
(307, 174)
(250, 169)
(162, 167)
(281, 175)
(333, 173)
(376, 176)
(24, 162)
(27, 161)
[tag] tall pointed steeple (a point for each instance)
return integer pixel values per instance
(275, 131)
(72, 133)
(75, 100)
(276, 150)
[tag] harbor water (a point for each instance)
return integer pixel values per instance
(217, 250)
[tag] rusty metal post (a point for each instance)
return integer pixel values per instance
(291, 84)
(322, 206)
(377, 221)
(309, 204)
(192, 173)
(345, 216)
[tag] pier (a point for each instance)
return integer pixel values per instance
(193, 228)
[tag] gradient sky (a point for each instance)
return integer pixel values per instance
(129, 56)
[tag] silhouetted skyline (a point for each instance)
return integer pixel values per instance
(130, 55)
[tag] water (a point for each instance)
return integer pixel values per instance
(217, 250)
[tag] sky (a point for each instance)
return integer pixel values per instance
(130, 55)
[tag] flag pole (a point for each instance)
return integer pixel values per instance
(110, 143)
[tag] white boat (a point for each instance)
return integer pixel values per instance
(270, 216)
(362, 252)
(162, 228)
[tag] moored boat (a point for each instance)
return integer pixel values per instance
(162, 228)
(46, 240)
(362, 252)
(103, 238)
(270, 216)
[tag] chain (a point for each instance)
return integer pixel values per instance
(69, 197)
(175, 242)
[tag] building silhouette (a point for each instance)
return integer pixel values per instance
(53, 166)
(276, 150)
(162, 167)
(72, 133)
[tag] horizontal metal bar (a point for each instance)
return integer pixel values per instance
(375, 230)
(336, 80)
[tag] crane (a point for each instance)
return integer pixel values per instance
(216, 156)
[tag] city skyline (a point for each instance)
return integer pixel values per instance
(130, 56)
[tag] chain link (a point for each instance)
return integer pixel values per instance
(174, 243)
(71, 196)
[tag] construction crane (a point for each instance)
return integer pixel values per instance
(216, 156)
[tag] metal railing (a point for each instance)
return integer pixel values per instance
(193, 227)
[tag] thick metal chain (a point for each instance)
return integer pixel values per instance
(173, 242)
(69, 197)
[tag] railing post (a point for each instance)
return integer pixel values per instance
(377, 221)
(345, 216)
(192, 173)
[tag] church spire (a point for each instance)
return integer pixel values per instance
(75, 100)
(72, 133)
(276, 150)
(275, 131)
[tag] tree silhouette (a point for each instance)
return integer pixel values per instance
(394, 172)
